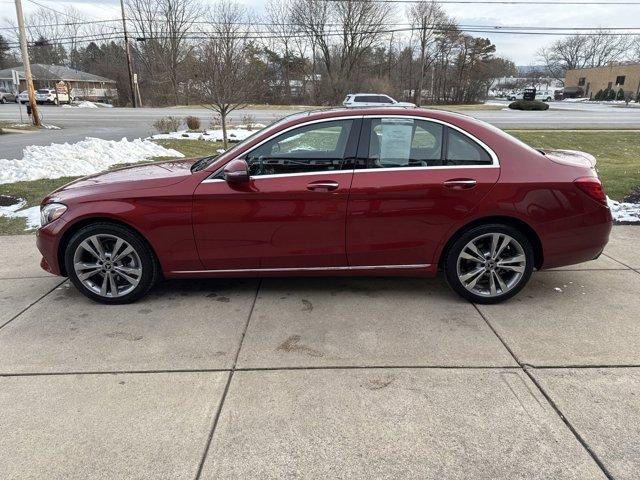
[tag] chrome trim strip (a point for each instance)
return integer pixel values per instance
(492, 154)
(308, 269)
(278, 175)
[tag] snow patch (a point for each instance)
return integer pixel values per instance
(31, 215)
(214, 135)
(624, 212)
(91, 155)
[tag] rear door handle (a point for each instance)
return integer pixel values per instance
(460, 183)
(323, 185)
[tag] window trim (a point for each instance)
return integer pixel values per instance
(495, 162)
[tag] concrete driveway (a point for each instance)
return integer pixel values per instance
(362, 378)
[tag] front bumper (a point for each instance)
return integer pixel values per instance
(48, 243)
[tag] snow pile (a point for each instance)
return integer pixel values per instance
(624, 212)
(31, 215)
(86, 157)
(50, 127)
(214, 135)
(576, 100)
(88, 104)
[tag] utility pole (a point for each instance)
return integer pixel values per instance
(128, 53)
(27, 66)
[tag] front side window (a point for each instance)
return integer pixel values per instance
(404, 142)
(311, 148)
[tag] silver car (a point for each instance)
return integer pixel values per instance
(356, 100)
(6, 96)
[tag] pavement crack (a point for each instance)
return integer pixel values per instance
(227, 385)
(31, 305)
(528, 372)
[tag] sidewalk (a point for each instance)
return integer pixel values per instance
(354, 378)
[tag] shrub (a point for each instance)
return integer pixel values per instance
(611, 94)
(599, 95)
(248, 121)
(620, 95)
(167, 124)
(528, 105)
(216, 122)
(193, 123)
(638, 97)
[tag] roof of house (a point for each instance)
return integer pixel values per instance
(55, 72)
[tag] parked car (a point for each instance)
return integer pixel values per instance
(6, 96)
(355, 100)
(387, 191)
(542, 95)
(49, 95)
(23, 97)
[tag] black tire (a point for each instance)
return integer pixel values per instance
(151, 271)
(3, 100)
(456, 248)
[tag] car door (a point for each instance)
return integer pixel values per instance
(414, 179)
(292, 212)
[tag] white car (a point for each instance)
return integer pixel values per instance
(48, 95)
(355, 100)
(23, 97)
(543, 95)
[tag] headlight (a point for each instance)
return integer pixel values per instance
(51, 212)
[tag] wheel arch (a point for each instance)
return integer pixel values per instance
(524, 227)
(66, 237)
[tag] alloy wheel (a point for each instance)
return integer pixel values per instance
(107, 265)
(491, 264)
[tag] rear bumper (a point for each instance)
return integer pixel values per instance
(577, 239)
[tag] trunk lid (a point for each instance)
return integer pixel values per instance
(573, 158)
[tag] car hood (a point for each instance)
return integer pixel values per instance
(571, 157)
(150, 175)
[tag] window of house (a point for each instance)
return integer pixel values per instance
(311, 148)
(581, 81)
(620, 79)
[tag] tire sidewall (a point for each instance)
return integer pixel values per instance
(451, 259)
(150, 269)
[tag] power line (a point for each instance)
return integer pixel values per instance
(503, 2)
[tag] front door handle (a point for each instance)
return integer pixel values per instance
(323, 185)
(460, 183)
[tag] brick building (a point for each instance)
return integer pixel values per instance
(586, 82)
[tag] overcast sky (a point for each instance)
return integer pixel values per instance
(519, 48)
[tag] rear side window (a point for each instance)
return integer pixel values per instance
(397, 142)
(404, 142)
(461, 150)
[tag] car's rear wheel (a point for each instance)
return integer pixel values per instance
(110, 263)
(489, 263)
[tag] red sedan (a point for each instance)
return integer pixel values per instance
(388, 191)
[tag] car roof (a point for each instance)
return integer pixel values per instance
(361, 93)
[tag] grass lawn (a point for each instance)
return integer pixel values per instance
(617, 151)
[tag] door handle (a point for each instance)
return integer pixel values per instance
(460, 183)
(323, 185)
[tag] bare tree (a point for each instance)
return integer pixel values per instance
(427, 18)
(163, 26)
(224, 70)
(278, 20)
(360, 26)
(583, 51)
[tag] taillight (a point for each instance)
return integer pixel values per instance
(593, 188)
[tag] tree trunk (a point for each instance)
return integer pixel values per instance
(223, 120)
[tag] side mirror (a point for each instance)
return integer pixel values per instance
(236, 171)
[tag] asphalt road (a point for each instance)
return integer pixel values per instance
(116, 123)
(340, 378)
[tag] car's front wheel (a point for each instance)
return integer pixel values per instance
(110, 263)
(489, 263)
